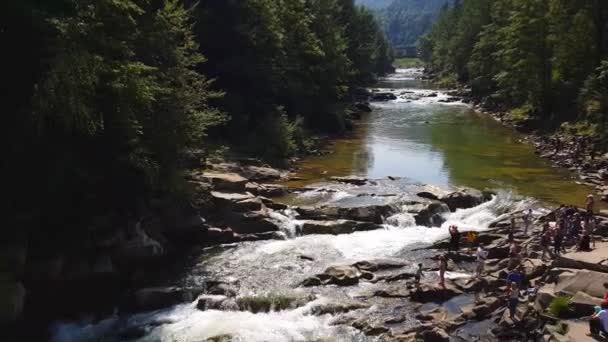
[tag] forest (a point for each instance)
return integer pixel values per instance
(104, 97)
(544, 63)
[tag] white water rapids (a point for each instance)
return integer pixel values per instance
(277, 267)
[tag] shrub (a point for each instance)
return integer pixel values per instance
(560, 306)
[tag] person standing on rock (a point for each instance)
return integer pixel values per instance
(527, 220)
(454, 238)
(512, 229)
(471, 238)
(443, 266)
(482, 255)
(545, 242)
(590, 204)
(557, 242)
(513, 298)
(418, 276)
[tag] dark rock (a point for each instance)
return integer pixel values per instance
(336, 227)
(251, 223)
(336, 307)
(373, 213)
(434, 293)
(463, 199)
(383, 97)
(368, 328)
(364, 107)
(433, 335)
(428, 195)
(432, 215)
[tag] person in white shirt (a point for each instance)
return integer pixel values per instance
(482, 255)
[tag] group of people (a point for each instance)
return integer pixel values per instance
(573, 227)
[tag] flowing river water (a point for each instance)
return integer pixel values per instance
(419, 138)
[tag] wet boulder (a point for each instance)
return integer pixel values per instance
(369, 328)
(251, 223)
(433, 335)
(463, 199)
(432, 215)
(383, 97)
(336, 307)
(364, 107)
(336, 227)
(434, 293)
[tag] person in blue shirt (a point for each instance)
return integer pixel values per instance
(516, 277)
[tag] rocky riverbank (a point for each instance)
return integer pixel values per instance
(241, 204)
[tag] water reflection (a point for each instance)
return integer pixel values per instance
(422, 138)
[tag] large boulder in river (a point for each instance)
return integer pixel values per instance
(226, 181)
(251, 223)
(463, 199)
(434, 293)
(372, 213)
(336, 227)
(432, 215)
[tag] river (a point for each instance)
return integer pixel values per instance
(418, 138)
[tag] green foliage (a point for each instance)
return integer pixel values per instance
(536, 57)
(302, 57)
(405, 63)
(559, 306)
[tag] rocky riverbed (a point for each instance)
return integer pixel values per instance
(336, 261)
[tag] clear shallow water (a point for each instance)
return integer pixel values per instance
(422, 140)
(444, 144)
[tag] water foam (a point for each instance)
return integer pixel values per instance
(187, 323)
